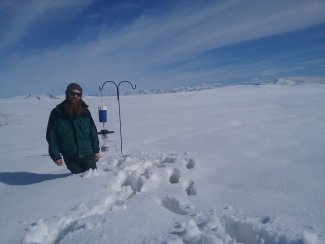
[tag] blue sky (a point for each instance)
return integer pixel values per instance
(46, 44)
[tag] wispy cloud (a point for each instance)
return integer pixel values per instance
(23, 15)
(188, 30)
(139, 51)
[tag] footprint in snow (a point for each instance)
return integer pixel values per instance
(190, 163)
(175, 176)
(174, 205)
(189, 188)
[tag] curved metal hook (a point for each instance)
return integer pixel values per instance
(133, 86)
(101, 88)
(118, 87)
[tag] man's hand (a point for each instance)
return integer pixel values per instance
(97, 156)
(59, 162)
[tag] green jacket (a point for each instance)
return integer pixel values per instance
(71, 136)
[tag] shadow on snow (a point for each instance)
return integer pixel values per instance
(27, 178)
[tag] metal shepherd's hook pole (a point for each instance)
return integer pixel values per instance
(118, 100)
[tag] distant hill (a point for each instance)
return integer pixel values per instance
(278, 81)
(172, 90)
(290, 81)
(35, 97)
(39, 97)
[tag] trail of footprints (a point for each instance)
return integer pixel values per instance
(137, 174)
(132, 175)
(136, 178)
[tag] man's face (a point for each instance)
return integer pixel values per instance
(75, 96)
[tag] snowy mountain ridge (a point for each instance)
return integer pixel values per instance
(278, 81)
(40, 97)
(290, 81)
(34, 97)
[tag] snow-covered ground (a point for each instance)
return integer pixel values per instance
(238, 164)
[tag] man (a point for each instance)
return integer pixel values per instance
(71, 133)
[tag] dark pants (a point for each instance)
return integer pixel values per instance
(78, 165)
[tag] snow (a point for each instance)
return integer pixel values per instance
(237, 164)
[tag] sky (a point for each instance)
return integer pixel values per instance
(44, 44)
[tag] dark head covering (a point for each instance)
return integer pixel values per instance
(71, 87)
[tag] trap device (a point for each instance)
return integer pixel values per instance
(103, 115)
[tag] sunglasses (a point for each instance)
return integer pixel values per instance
(78, 94)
